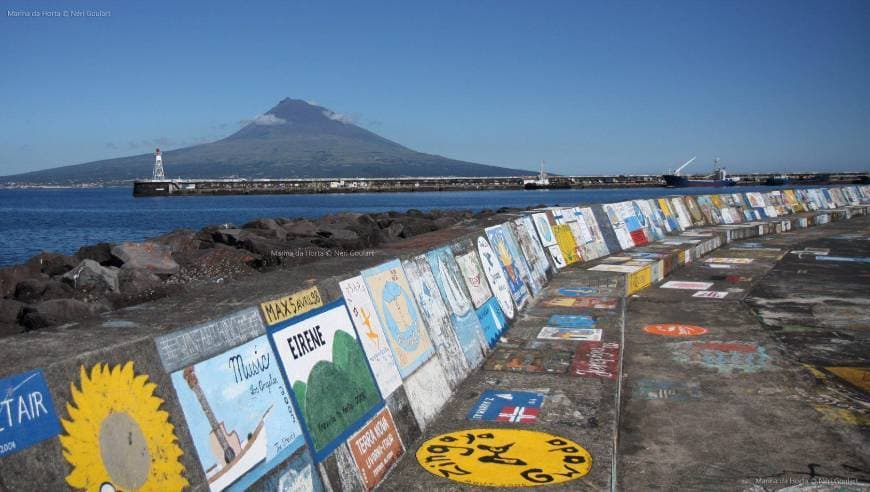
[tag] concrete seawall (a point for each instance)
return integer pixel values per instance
(324, 379)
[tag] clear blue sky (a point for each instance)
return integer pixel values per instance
(591, 88)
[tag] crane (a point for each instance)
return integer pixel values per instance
(677, 172)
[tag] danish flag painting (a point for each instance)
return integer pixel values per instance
(520, 415)
(518, 407)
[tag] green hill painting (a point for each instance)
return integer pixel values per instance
(331, 380)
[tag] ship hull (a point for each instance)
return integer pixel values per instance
(684, 182)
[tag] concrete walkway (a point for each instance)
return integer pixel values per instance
(704, 394)
(775, 394)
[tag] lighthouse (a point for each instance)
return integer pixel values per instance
(158, 167)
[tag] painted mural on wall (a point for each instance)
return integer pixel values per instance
(371, 334)
(397, 311)
(492, 319)
(595, 246)
(508, 257)
(533, 283)
(332, 385)
(545, 232)
(181, 348)
(376, 448)
(298, 475)
(472, 273)
(450, 283)
(287, 307)
(239, 414)
(527, 240)
(455, 357)
(617, 223)
(566, 243)
(116, 436)
(556, 254)
(504, 458)
(27, 414)
(497, 278)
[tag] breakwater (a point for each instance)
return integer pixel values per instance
(183, 187)
(343, 366)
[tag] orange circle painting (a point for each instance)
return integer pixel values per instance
(675, 330)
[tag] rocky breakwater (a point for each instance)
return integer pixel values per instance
(53, 289)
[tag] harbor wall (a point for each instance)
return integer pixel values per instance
(321, 378)
(182, 187)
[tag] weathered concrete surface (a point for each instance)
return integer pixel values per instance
(674, 423)
(579, 408)
(756, 403)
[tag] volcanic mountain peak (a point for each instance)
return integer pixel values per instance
(294, 117)
(294, 139)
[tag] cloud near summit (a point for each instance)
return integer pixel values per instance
(268, 120)
(340, 117)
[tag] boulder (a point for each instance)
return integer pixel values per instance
(267, 224)
(367, 229)
(230, 237)
(338, 234)
(10, 311)
(150, 256)
(183, 241)
(444, 222)
(301, 228)
(57, 312)
(90, 276)
(137, 282)
(53, 264)
(269, 249)
(414, 226)
(266, 228)
(100, 252)
(392, 232)
(9, 278)
(40, 289)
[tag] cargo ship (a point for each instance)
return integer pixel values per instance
(718, 178)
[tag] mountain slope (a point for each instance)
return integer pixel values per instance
(293, 139)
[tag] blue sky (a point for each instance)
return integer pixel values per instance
(592, 88)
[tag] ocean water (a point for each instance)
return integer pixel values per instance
(62, 220)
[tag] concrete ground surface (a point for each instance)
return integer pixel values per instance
(766, 388)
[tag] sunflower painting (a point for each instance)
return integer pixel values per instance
(117, 438)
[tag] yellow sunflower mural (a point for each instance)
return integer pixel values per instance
(117, 438)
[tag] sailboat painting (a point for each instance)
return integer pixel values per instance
(239, 414)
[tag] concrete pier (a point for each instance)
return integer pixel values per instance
(238, 186)
(753, 403)
(692, 343)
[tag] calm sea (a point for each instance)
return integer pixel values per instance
(62, 220)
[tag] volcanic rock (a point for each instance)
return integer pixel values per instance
(57, 312)
(151, 256)
(9, 278)
(53, 264)
(100, 252)
(39, 289)
(90, 276)
(10, 311)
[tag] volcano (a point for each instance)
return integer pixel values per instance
(294, 139)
